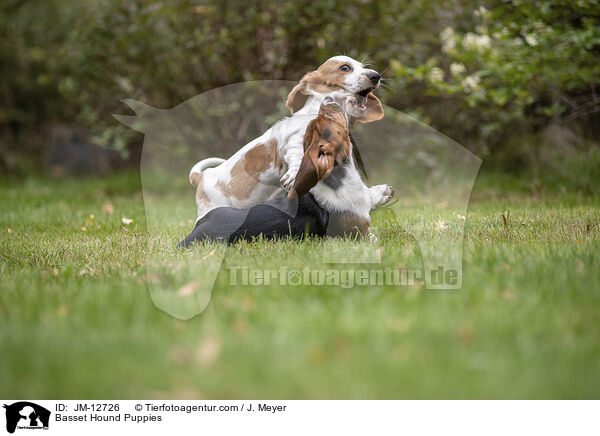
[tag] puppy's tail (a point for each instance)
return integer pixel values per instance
(197, 169)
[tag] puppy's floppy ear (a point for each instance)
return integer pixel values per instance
(374, 109)
(297, 98)
(317, 162)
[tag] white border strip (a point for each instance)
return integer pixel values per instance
(274, 417)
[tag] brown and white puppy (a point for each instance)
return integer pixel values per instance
(266, 167)
(327, 148)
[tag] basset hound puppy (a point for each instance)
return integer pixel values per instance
(326, 144)
(267, 166)
(309, 208)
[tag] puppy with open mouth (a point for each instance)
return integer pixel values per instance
(266, 167)
(313, 206)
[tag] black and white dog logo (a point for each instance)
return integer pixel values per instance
(26, 415)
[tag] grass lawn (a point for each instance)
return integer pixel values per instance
(77, 321)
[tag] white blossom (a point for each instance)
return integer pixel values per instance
(435, 75)
(470, 83)
(531, 39)
(448, 39)
(502, 33)
(481, 11)
(457, 68)
(475, 41)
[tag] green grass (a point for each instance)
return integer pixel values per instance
(77, 321)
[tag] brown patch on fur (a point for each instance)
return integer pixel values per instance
(246, 171)
(325, 78)
(241, 184)
(261, 158)
(347, 224)
(196, 178)
(201, 198)
(328, 74)
(274, 152)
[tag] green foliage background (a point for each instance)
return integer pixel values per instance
(515, 81)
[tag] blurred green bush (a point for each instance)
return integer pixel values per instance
(494, 76)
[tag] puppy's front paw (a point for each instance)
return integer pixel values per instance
(289, 178)
(380, 195)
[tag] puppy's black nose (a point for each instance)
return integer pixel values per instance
(374, 77)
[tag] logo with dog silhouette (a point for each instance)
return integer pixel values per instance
(26, 415)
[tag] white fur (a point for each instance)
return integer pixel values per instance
(351, 194)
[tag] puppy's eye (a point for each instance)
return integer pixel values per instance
(345, 68)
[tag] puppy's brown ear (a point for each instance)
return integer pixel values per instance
(297, 98)
(317, 163)
(346, 147)
(374, 109)
(307, 175)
